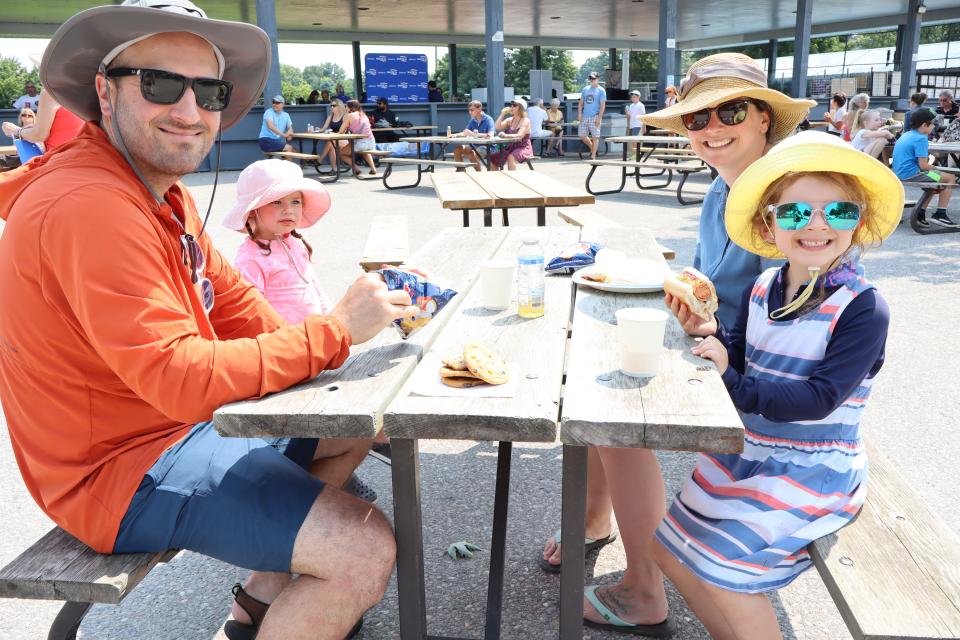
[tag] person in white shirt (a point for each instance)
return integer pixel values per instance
(30, 100)
(537, 116)
(633, 112)
(834, 117)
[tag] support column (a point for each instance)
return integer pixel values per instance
(612, 54)
(452, 71)
(625, 70)
(537, 57)
(357, 72)
(801, 47)
(493, 38)
(772, 61)
(267, 20)
(898, 49)
(908, 54)
(667, 73)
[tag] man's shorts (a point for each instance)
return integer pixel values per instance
(240, 500)
(589, 128)
(269, 145)
(921, 177)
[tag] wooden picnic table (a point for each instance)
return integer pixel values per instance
(332, 137)
(8, 150)
(505, 190)
(443, 141)
(685, 407)
(415, 127)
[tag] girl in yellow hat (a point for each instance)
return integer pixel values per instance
(799, 364)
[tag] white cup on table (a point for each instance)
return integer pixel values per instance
(640, 332)
(496, 283)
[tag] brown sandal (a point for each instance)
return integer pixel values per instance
(257, 610)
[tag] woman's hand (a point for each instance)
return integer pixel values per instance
(691, 323)
(712, 349)
(10, 129)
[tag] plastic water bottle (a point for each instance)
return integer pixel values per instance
(530, 278)
(309, 128)
(449, 131)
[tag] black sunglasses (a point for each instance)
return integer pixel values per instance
(164, 87)
(729, 113)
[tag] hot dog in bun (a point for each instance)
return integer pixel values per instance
(694, 290)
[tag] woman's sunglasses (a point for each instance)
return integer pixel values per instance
(792, 216)
(729, 113)
(164, 87)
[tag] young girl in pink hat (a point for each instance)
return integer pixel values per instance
(274, 200)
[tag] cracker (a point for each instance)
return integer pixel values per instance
(455, 362)
(447, 372)
(462, 383)
(485, 364)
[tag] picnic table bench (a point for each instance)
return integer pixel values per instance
(928, 191)
(424, 165)
(387, 242)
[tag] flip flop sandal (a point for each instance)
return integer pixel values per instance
(589, 544)
(614, 622)
(257, 610)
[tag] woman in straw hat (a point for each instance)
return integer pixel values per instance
(798, 364)
(731, 118)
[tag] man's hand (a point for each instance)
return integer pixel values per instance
(692, 324)
(712, 349)
(367, 307)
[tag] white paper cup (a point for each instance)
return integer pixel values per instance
(640, 335)
(496, 282)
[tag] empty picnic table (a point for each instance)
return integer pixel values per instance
(505, 190)
(443, 141)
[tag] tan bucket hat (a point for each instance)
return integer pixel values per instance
(725, 76)
(73, 56)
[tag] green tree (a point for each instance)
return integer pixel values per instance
(471, 71)
(644, 65)
(519, 62)
(327, 73)
(596, 63)
(13, 76)
(292, 84)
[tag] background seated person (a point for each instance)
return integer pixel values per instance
(277, 128)
(25, 149)
(554, 122)
(537, 116)
(834, 117)
(356, 121)
(869, 137)
(516, 127)
(384, 117)
(916, 102)
(481, 125)
(911, 163)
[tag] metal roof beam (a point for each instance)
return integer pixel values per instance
(465, 39)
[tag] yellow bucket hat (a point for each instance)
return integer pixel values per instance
(810, 152)
(725, 76)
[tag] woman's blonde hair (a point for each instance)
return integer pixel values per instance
(862, 116)
(23, 112)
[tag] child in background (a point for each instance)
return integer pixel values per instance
(834, 117)
(273, 201)
(869, 137)
(798, 364)
(911, 163)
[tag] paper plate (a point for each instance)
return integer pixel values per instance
(649, 276)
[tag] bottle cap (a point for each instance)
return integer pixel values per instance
(530, 238)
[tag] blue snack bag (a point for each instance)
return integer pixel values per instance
(576, 256)
(429, 297)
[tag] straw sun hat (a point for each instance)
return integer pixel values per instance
(267, 180)
(812, 151)
(724, 76)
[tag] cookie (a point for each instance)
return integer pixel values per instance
(485, 364)
(462, 383)
(455, 362)
(447, 372)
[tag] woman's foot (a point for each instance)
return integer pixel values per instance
(551, 551)
(627, 604)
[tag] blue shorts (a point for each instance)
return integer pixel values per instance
(269, 145)
(240, 500)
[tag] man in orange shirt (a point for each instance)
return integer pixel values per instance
(130, 329)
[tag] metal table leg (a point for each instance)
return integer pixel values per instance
(411, 592)
(573, 528)
(498, 541)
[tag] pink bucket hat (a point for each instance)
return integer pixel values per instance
(268, 180)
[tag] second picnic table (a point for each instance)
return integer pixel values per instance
(684, 407)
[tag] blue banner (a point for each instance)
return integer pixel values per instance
(398, 77)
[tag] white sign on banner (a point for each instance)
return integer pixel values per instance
(669, 80)
(671, 43)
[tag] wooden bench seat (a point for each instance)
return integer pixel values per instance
(894, 572)
(293, 155)
(424, 165)
(60, 567)
(660, 167)
(582, 217)
(388, 242)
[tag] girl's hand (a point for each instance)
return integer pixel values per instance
(691, 323)
(712, 349)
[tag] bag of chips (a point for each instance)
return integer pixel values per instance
(576, 256)
(424, 293)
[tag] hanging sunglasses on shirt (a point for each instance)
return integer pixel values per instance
(194, 259)
(729, 113)
(164, 87)
(792, 216)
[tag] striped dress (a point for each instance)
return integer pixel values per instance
(742, 521)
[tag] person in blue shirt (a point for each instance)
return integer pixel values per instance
(732, 119)
(433, 93)
(911, 163)
(480, 126)
(593, 102)
(276, 131)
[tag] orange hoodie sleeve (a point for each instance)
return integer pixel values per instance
(119, 272)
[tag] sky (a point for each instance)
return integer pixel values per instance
(299, 55)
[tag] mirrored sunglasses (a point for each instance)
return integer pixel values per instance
(840, 215)
(729, 113)
(164, 87)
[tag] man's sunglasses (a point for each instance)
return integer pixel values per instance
(164, 87)
(840, 215)
(729, 113)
